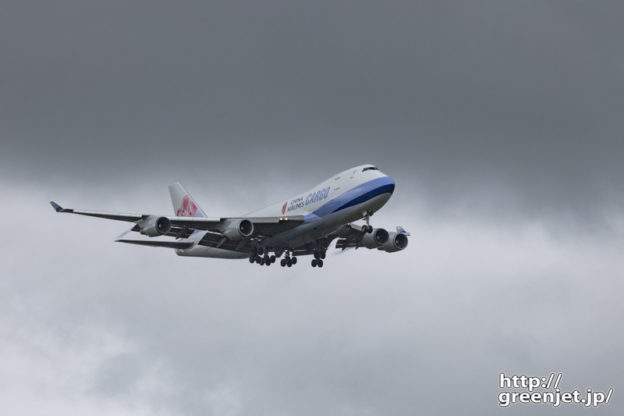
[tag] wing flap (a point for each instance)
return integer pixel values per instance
(167, 244)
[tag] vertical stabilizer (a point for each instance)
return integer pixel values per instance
(183, 203)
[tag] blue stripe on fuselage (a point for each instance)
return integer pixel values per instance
(354, 196)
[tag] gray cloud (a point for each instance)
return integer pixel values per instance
(144, 331)
(500, 122)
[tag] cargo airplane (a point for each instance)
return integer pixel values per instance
(303, 225)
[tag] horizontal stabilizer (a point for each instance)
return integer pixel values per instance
(168, 244)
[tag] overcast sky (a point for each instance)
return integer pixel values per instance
(501, 123)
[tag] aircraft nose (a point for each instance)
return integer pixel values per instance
(389, 184)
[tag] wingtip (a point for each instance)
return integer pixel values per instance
(56, 206)
(402, 230)
(121, 236)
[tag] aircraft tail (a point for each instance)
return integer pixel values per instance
(183, 203)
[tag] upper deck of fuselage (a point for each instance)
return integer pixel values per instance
(342, 188)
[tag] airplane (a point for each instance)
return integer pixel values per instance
(302, 225)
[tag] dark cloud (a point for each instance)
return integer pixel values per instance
(500, 122)
(453, 94)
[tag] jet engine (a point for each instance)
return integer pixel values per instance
(378, 237)
(237, 230)
(154, 226)
(395, 242)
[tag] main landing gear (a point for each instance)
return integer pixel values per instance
(262, 257)
(288, 261)
(317, 263)
(265, 260)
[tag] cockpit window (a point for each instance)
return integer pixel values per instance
(369, 168)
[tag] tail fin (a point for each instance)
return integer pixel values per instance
(183, 203)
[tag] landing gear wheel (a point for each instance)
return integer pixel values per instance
(294, 260)
(319, 263)
(261, 262)
(314, 262)
(283, 262)
(252, 259)
(289, 263)
(272, 259)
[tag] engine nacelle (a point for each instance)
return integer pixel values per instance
(154, 226)
(396, 242)
(374, 239)
(237, 230)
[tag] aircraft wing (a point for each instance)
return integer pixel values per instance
(350, 236)
(183, 227)
(199, 223)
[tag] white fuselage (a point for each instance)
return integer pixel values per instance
(341, 199)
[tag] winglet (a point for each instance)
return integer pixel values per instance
(401, 230)
(56, 206)
(59, 208)
(122, 235)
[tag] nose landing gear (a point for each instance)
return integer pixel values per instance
(319, 251)
(317, 263)
(367, 228)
